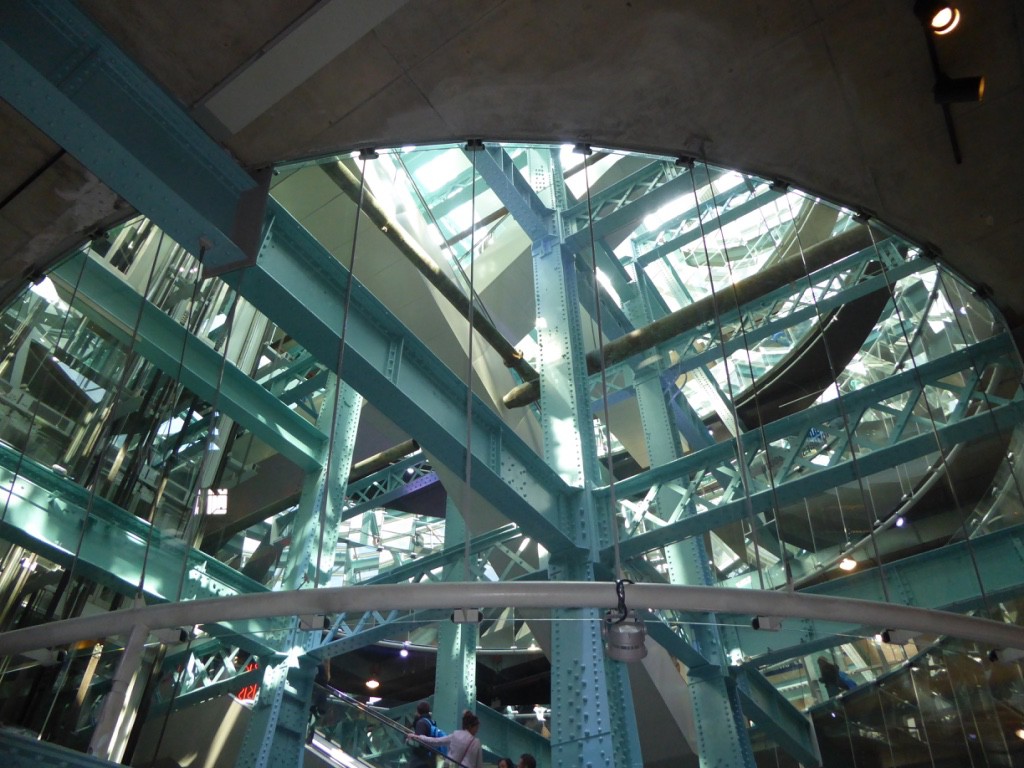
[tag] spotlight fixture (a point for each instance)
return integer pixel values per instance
(898, 636)
(953, 90)
(938, 18)
(847, 564)
(373, 684)
(766, 623)
(1005, 654)
(623, 631)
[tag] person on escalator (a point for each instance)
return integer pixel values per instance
(463, 746)
(422, 725)
(835, 680)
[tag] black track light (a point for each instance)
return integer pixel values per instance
(953, 90)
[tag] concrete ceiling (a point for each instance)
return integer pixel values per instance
(833, 96)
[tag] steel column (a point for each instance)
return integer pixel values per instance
(455, 674)
(315, 526)
(722, 738)
(593, 720)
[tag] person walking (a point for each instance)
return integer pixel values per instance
(463, 746)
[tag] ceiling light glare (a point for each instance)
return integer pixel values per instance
(938, 17)
(373, 684)
(944, 20)
(1019, 733)
(847, 563)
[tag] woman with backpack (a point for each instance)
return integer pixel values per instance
(463, 745)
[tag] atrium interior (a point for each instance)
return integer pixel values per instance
(646, 458)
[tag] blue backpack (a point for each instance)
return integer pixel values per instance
(436, 733)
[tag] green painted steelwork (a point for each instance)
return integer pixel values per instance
(299, 284)
(21, 750)
(586, 685)
(314, 529)
(115, 305)
(946, 579)
(772, 713)
(60, 520)
(798, 477)
(713, 707)
(65, 75)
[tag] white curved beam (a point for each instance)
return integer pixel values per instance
(551, 594)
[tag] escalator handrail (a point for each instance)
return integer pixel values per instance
(394, 724)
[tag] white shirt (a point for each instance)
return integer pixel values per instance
(463, 747)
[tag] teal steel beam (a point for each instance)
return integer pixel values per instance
(372, 627)
(726, 216)
(774, 715)
(946, 578)
(64, 74)
(662, 181)
(1004, 417)
(24, 750)
(673, 641)
(507, 737)
(301, 286)
(205, 693)
(798, 477)
(504, 179)
(386, 485)
(46, 514)
(449, 555)
(760, 317)
(114, 305)
(714, 350)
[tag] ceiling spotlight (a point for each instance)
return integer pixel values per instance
(373, 684)
(847, 563)
(939, 18)
(952, 90)
(1019, 733)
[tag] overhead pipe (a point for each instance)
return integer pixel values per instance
(349, 184)
(503, 594)
(692, 316)
(379, 461)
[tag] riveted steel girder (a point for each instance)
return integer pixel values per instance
(772, 713)
(797, 477)
(961, 576)
(24, 750)
(57, 518)
(503, 177)
(114, 305)
(64, 74)
(302, 287)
